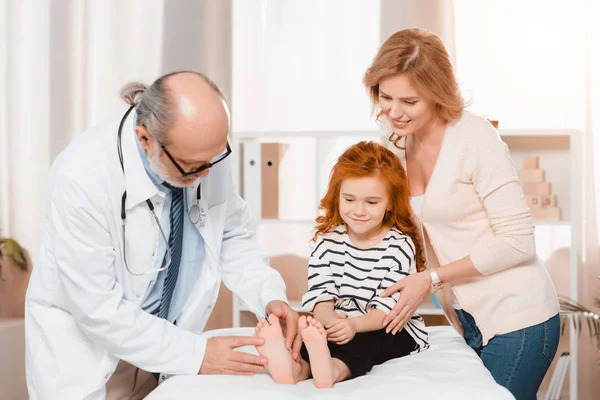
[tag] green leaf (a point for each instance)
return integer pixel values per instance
(11, 249)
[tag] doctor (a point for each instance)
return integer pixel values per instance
(142, 224)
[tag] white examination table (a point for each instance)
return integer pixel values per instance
(447, 370)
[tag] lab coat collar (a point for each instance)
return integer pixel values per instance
(138, 184)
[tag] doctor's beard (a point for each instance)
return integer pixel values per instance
(161, 170)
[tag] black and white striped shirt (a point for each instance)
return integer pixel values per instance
(355, 278)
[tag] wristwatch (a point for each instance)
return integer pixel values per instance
(436, 284)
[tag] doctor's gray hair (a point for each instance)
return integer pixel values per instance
(154, 105)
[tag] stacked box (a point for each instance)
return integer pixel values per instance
(538, 192)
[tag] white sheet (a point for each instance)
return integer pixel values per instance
(448, 370)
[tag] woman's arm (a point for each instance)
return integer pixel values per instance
(456, 271)
(417, 286)
(495, 181)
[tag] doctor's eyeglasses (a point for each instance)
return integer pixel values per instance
(204, 167)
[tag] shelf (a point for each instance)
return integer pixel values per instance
(314, 134)
(538, 132)
(552, 223)
(335, 134)
(286, 221)
(312, 222)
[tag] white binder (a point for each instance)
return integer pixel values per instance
(252, 178)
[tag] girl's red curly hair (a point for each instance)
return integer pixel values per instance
(367, 159)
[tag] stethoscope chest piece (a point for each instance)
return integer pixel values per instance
(197, 215)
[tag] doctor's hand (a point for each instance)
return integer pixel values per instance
(413, 289)
(289, 324)
(221, 358)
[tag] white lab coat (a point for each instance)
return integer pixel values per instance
(83, 308)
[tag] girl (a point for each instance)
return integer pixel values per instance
(365, 242)
(476, 225)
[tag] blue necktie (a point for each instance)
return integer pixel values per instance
(175, 244)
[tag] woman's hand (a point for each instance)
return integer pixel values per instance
(341, 331)
(413, 289)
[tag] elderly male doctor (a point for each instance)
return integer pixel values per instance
(142, 224)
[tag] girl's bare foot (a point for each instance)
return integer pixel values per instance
(315, 340)
(280, 362)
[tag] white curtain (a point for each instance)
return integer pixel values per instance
(62, 64)
(434, 15)
(298, 65)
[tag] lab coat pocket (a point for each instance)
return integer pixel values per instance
(41, 365)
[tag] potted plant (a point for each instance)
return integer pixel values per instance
(581, 317)
(15, 269)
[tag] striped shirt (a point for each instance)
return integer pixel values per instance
(355, 278)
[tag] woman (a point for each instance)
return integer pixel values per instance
(476, 226)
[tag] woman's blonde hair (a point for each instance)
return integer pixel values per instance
(422, 57)
(369, 159)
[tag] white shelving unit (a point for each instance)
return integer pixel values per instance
(557, 242)
(314, 149)
(558, 151)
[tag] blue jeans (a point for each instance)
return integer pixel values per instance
(517, 360)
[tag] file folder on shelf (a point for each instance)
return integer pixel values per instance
(251, 178)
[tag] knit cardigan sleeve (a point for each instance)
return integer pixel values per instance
(495, 180)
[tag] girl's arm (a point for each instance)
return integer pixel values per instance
(322, 292)
(324, 313)
(371, 321)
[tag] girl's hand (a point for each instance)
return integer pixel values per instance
(413, 289)
(341, 331)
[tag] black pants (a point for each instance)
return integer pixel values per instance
(368, 349)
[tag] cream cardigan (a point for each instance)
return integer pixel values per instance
(474, 206)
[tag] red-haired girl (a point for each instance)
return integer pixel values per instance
(365, 242)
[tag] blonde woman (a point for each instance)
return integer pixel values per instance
(474, 221)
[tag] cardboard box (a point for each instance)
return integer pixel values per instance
(531, 175)
(531, 162)
(537, 189)
(538, 213)
(534, 201)
(549, 201)
(552, 213)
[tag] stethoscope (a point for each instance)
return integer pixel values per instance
(197, 214)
